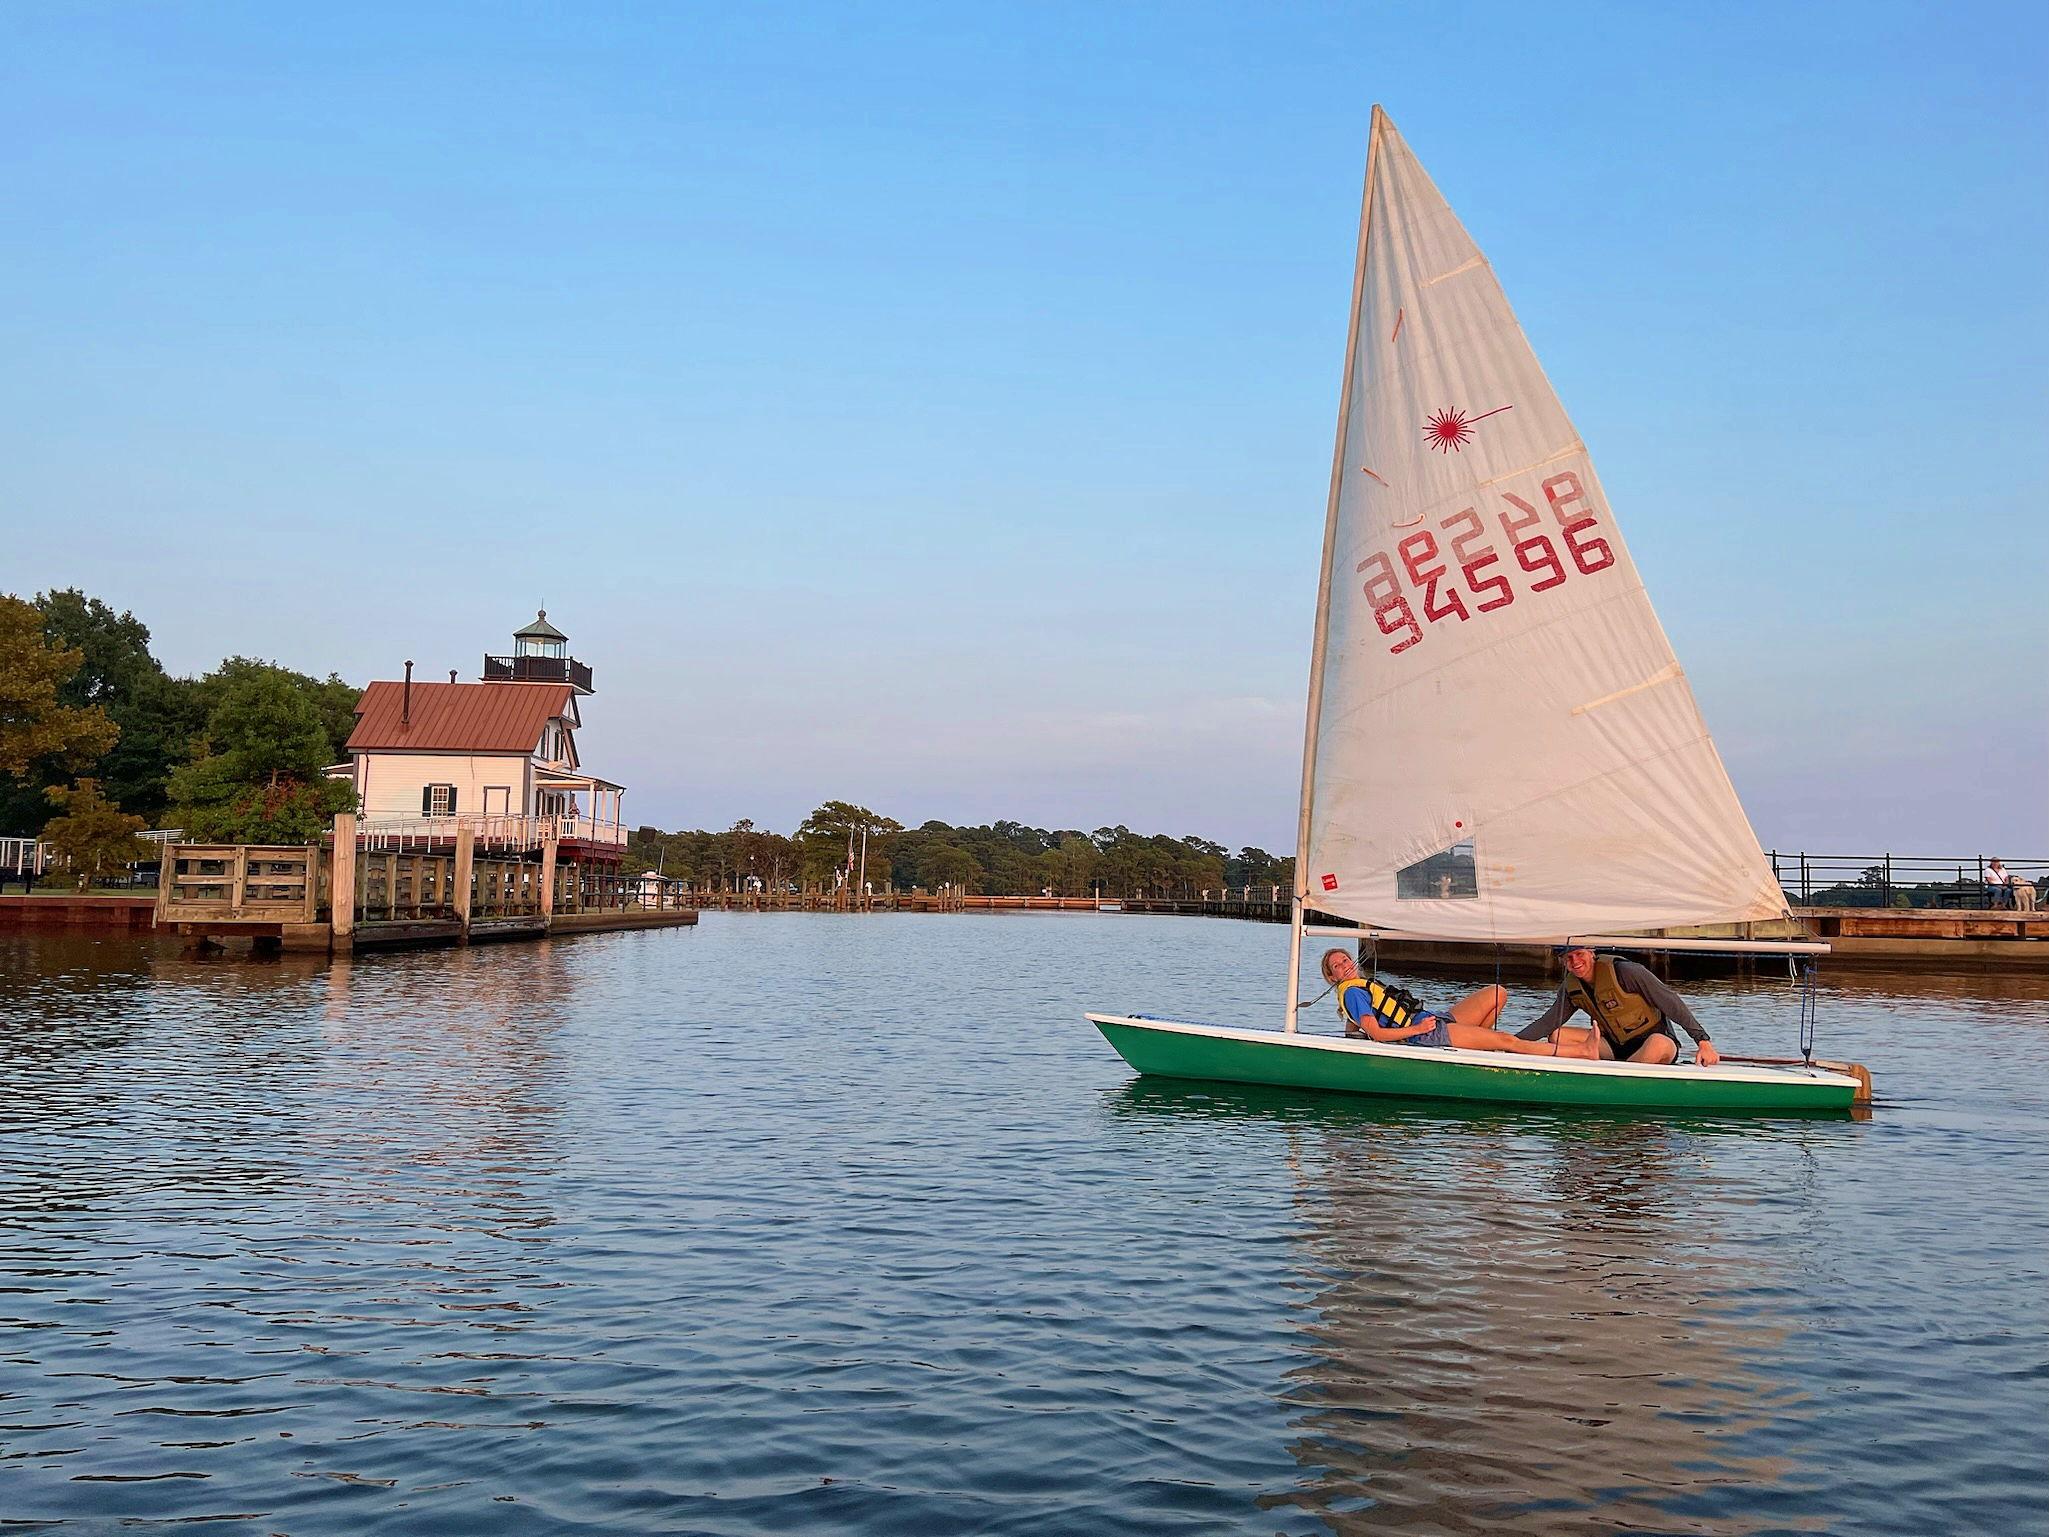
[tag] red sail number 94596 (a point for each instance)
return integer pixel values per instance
(1423, 562)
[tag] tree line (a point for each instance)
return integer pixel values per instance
(1006, 858)
(98, 741)
(93, 729)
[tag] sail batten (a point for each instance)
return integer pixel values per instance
(1501, 744)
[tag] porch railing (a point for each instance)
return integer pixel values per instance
(492, 832)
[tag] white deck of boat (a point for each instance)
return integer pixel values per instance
(1725, 1072)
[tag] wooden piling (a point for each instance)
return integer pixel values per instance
(341, 882)
(465, 865)
(547, 892)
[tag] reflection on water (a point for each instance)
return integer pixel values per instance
(1564, 1322)
(390, 1165)
(814, 1223)
(1534, 1329)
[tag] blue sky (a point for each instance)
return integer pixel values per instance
(931, 406)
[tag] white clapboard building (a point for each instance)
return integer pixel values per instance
(498, 754)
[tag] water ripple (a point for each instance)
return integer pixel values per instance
(798, 1223)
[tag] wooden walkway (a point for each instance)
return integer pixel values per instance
(339, 897)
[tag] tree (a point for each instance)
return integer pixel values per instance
(260, 780)
(1256, 867)
(1070, 865)
(948, 864)
(94, 836)
(834, 828)
(114, 658)
(331, 700)
(37, 728)
(1007, 858)
(158, 716)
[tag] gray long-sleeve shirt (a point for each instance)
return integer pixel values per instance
(1637, 980)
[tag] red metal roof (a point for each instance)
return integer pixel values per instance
(458, 717)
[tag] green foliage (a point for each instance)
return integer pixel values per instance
(940, 865)
(1006, 858)
(157, 716)
(724, 861)
(833, 834)
(162, 722)
(265, 725)
(114, 658)
(268, 736)
(93, 837)
(222, 809)
(1965, 890)
(331, 701)
(40, 728)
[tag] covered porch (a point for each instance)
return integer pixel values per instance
(585, 808)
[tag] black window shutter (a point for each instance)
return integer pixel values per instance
(426, 800)
(451, 800)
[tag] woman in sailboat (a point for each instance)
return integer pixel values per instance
(1378, 1013)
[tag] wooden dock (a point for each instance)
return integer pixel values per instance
(1948, 939)
(1874, 939)
(337, 897)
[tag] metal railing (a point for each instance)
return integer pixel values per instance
(1901, 880)
(23, 856)
(25, 859)
(538, 669)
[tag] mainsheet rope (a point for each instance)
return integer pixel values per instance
(1810, 1011)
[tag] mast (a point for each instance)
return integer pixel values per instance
(1330, 530)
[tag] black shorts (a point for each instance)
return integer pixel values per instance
(1623, 1053)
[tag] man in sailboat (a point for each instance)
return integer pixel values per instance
(1632, 1013)
(1374, 1011)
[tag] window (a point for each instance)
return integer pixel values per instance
(1452, 873)
(437, 801)
(497, 800)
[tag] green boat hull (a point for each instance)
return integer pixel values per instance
(1170, 1049)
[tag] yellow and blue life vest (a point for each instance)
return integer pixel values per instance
(1390, 1006)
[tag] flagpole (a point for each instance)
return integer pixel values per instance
(1330, 532)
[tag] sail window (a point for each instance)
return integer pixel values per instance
(1450, 873)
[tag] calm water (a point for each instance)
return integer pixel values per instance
(852, 1225)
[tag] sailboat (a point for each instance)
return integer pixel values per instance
(1501, 746)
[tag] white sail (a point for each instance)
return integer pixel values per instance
(1502, 743)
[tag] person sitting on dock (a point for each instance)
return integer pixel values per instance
(1998, 885)
(1376, 1012)
(1633, 1014)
